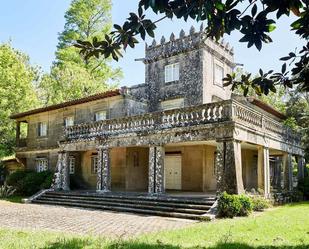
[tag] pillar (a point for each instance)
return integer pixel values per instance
(104, 170)
(288, 171)
(17, 133)
(264, 170)
(229, 167)
(156, 170)
(65, 172)
(300, 167)
(57, 182)
(277, 173)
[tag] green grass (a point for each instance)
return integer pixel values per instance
(15, 199)
(280, 228)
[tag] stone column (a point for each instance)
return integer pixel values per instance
(263, 170)
(65, 172)
(57, 181)
(229, 167)
(288, 171)
(301, 167)
(156, 170)
(104, 170)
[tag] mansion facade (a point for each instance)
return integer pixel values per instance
(179, 131)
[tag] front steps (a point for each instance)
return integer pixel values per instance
(178, 207)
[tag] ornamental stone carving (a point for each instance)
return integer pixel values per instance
(156, 170)
(104, 170)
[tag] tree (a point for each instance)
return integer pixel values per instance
(17, 92)
(254, 19)
(277, 99)
(73, 76)
(298, 109)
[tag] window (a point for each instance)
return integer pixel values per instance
(94, 164)
(41, 164)
(69, 121)
(42, 129)
(100, 116)
(172, 104)
(219, 75)
(72, 165)
(172, 72)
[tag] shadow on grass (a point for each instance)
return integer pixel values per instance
(82, 243)
(69, 244)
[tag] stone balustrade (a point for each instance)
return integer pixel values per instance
(229, 110)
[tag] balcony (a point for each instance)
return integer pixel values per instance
(212, 113)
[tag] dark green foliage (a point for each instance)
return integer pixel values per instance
(15, 179)
(234, 205)
(3, 173)
(28, 183)
(259, 203)
(246, 205)
(303, 186)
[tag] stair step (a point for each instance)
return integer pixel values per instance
(122, 209)
(205, 201)
(139, 201)
(127, 205)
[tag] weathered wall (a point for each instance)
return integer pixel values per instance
(137, 169)
(249, 168)
(87, 176)
(82, 113)
(189, 85)
(118, 168)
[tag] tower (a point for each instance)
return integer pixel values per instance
(187, 70)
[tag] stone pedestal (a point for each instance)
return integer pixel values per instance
(156, 170)
(264, 170)
(229, 167)
(104, 170)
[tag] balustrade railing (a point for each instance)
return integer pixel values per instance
(229, 110)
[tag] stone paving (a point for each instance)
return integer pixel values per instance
(83, 221)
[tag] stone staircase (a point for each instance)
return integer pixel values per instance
(178, 207)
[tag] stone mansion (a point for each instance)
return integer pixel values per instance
(180, 131)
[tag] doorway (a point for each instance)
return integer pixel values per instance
(173, 167)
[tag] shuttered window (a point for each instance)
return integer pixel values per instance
(172, 72)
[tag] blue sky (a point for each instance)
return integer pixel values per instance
(33, 26)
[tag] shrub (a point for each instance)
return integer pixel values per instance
(28, 183)
(303, 186)
(246, 205)
(6, 191)
(15, 180)
(228, 205)
(259, 204)
(48, 181)
(234, 205)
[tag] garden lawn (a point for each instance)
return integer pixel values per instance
(284, 227)
(14, 198)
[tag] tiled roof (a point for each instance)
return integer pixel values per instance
(266, 107)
